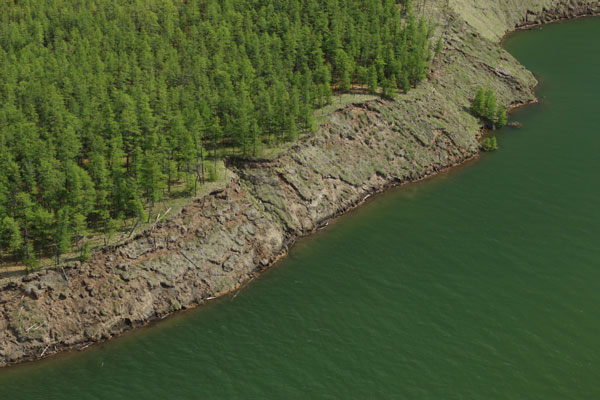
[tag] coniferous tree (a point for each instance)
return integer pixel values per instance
(291, 132)
(485, 106)
(490, 144)
(62, 234)
(83, 104)
(501, 117)
(217, 133)
(305, 109)
(479, 102)
(255, 137)
(10, 237)
(389, 89)
(85, 252)
(373, 79)
(343, 69)
(489, 110)
(151, 180)
(439, 46)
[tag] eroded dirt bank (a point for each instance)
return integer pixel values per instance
(219, 242)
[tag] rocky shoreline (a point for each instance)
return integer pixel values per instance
(219, 242)
(563, 11)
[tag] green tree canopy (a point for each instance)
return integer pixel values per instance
(105, 106)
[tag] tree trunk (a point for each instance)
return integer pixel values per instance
(150, 208)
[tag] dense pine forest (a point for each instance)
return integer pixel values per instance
(106, 105)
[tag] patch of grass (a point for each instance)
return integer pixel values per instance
(340, 102)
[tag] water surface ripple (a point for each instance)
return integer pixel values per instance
(479, 284)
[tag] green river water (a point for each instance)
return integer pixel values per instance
(482, 283)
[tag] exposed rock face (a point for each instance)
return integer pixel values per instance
(217, 243)
(493, 18)
(562, 11)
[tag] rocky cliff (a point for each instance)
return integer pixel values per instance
(224, 239)
(493, 18)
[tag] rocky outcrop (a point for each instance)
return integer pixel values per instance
(493, 18)
(219, 242)
(561, 11)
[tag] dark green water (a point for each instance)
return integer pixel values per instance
(483, 283)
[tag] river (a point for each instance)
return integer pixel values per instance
(482, 283)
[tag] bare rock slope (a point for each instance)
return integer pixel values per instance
(219, 242)
(493, 18)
